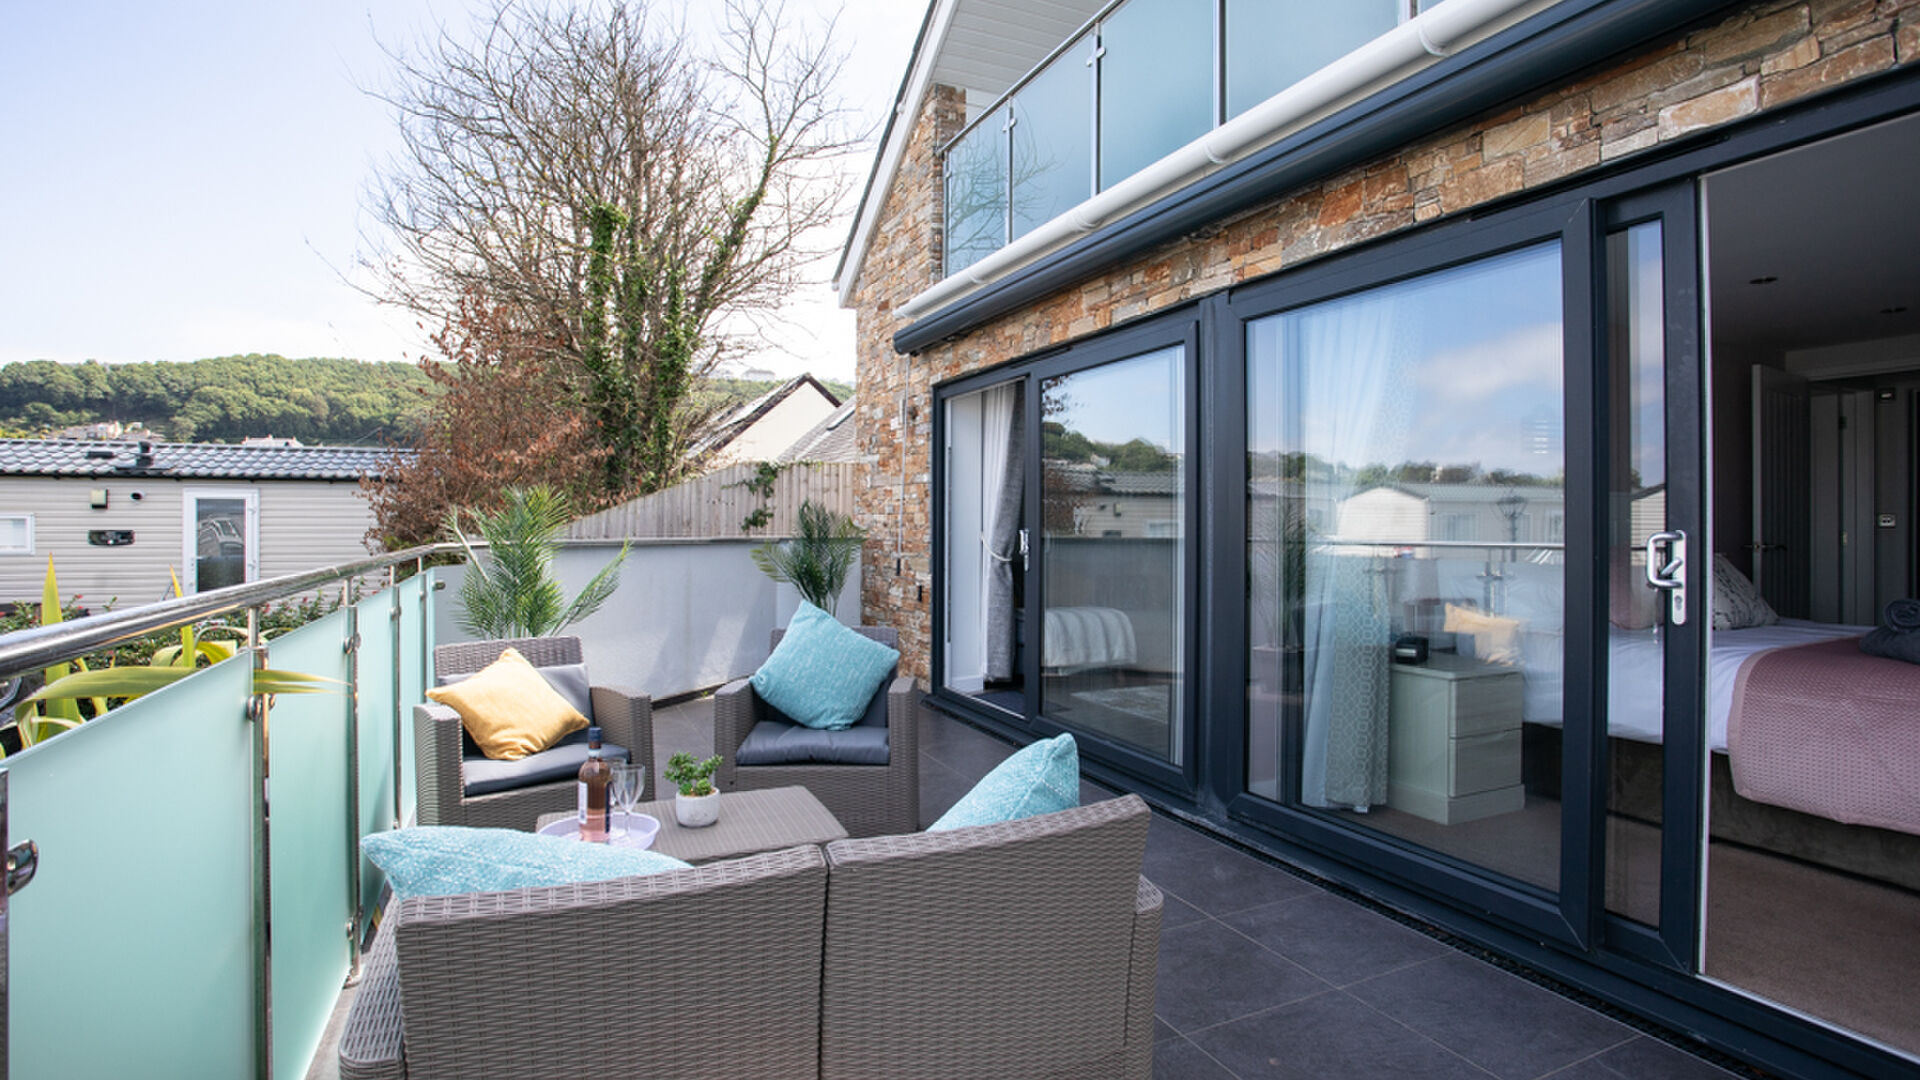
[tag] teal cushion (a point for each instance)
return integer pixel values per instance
(822, 674)
(1039, 779)
(442, 860)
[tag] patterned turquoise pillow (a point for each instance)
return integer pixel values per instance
(822, 674)
(442, 860)
(1039, 779)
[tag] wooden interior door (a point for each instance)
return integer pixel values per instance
(1781, 489)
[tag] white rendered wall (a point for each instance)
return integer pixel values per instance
(689, 614)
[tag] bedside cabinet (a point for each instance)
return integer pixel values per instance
(1453, 744)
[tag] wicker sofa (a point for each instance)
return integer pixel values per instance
(870, 800)
(625, 718)
(1022, 949)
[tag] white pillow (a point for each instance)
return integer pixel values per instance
(1736, 603)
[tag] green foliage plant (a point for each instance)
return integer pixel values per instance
(75, 692)
(818, 558)
(511, 592)
(695, 778)
(761, 483)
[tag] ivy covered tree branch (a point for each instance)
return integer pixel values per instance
(633, 199)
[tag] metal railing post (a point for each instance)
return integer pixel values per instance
(356, 913)
(262, 862)
(399, 707)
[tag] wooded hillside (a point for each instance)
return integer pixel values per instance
(223, 399)
(228, 398)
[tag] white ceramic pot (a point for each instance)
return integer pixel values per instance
(693, 811)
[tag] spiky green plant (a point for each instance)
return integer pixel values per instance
(511, 592)
(818, 558)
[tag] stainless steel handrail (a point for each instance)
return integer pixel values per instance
(28, 650)
(1498, 545)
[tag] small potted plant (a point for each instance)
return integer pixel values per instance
(697, 803)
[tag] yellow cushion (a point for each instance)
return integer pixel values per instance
(1496, 640)
(509, 709)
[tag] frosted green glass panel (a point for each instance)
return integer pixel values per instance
(376, 730)
(310, 845)
(416, 631)
(132, 950)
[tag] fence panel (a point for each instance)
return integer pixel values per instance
(719, 503)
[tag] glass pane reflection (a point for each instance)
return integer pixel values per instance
(1053, 140)
(976, 181)
(1406, 485)
(1113, 507)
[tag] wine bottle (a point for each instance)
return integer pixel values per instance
(595, 776)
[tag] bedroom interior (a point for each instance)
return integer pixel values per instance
(1811, 270)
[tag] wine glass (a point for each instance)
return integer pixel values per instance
(629, 777)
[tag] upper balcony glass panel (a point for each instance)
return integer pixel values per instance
(1156, 82)
(1148, 78)
(1052, 144)
(976, 179)
(1272, 44)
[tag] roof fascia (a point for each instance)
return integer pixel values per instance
(893, 145)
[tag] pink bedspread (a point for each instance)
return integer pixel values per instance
(1829, 730)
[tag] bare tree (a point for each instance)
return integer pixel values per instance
(622, 191)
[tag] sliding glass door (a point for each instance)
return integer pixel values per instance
(1113, 550)
(1066, 545)
(1457, 459)
(1406, 552)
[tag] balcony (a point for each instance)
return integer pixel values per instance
(141, 943)
(1140, 80)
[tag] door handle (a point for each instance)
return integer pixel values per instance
(22, 860)
(1667, 570)
(1024, 564)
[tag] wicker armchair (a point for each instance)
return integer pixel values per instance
(712, 971)
(870, 800)
(625, 717)
(1027, 948)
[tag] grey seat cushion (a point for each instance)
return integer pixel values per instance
(776, 742)
(484, 776)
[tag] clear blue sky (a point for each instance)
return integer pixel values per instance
(183, 180)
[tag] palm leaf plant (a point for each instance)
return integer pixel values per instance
(55, 707)
(511, 592)
(824, 549)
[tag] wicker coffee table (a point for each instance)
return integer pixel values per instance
(750, 822)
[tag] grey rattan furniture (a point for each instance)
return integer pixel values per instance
(870, 800)
(1023, 949)
(712, 971)
(625, 718)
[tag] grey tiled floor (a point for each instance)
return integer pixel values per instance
(1264, 974)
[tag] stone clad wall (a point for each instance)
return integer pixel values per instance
(1754, 58)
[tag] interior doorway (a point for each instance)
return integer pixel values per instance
(1813, 284)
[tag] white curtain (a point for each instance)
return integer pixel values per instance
(1001, 469)
(1345, 366)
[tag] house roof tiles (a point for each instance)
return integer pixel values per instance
(208, 461)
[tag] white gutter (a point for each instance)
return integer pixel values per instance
(1402, 51)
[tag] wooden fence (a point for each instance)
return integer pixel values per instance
(716, 504)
